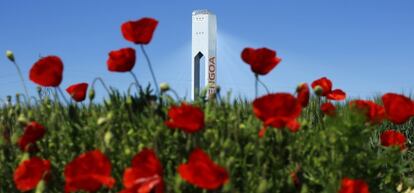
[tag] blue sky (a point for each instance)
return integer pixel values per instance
(364, 47)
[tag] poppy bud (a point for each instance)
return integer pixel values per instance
(318, 90)
(91, 94)
(129, 100)
(22, 119)
(17, 98)
(108, 137)
(400, 187)
(110, 115)
(127, 151)
(130, 132)
(10, 55)
(9, 99)
(298, 88)
(40, 188)
(25, 157)
(101, 121)
(164, 87)
(262, 186)
(242, 126)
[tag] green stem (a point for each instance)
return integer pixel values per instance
(102, 83)
(63, 95)
(150, 67)
(135, 79)
(22, 80)
(256, 87)
(130, 87)
(176, 95)
(264, 85)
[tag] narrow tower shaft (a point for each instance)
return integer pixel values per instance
(204, 44)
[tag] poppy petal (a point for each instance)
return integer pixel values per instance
(122, 60)
(140, 31)
(78, 91)
(398, 108)
(336, 95)
(48, 71)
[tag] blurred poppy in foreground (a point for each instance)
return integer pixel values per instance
(30, 172)
(186, 117)
(323, 87)
(393, 138)
(88, 172)
(375, 113)
(32, 133)
(261, 60)
(328, 109)
(122, 60)
(202, 172)
(78, 91)
(398, 108)
(353, 186)
(48, 71)
(140, 31)
(279, 110)
(303, 94)
(145, 175)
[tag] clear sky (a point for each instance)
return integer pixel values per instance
(363, 46)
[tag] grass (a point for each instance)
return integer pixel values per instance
(325, 150)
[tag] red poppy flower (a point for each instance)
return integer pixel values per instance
(145, 175)
(398, 108)
(32, 132)
(374, 112)
(47, 71)
(328, 109)
(325, 84)
(278, 110)
(353, 186)
(326, 89)
(202, 172)
(336, 95)
(261, 60)
(88, 172)
(122, 60)
(393, 138)
(30, 172)
(78, 91)
(303, 94)
(186, 117)
(140, 31)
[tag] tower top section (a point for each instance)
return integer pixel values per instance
(202, 12)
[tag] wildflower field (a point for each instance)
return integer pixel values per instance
(308, 139)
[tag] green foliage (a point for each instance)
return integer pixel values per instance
(325, 150)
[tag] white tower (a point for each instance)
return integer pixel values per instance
(204, 44)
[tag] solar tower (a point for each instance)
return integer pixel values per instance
(204, 50)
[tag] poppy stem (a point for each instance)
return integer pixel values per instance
(264, 85)
(63, 95)
(151, 70)
(256, 87)
(176, 95)
(102, 83)
(130, 86)
(22, 80)
(24, 97)
(135, 79)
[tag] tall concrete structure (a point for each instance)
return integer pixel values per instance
(204, 50)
